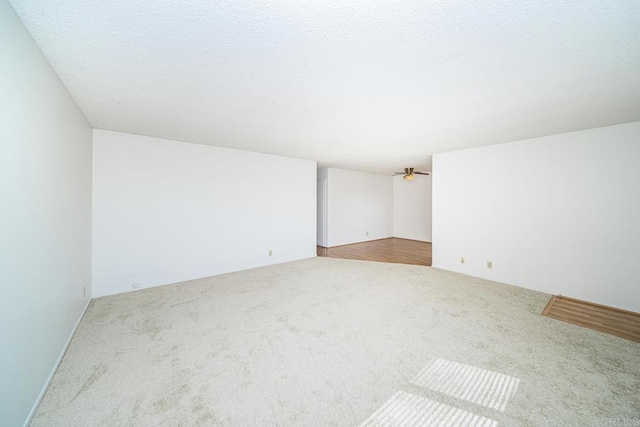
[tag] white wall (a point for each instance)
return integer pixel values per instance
(412, 208)
(45, 219)
(170, 211)
(559, 214)
(360, 206)
(322, 207)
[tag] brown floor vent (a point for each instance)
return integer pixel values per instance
(621, 323)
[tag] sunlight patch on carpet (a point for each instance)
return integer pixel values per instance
(469, 383)
(406, 409)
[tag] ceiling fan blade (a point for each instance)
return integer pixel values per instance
(422, 173)
(398, 173)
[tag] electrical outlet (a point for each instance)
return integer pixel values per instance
(135, 285)
(270, 252)
(489, 264)
(367, 233)
(461, 260)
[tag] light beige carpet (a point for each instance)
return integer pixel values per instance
(338, 342)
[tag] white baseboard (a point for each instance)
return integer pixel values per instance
(55, 367)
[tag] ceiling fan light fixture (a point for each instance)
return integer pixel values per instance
(408, 174)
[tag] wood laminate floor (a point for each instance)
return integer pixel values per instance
(621, 323)
(396, 250)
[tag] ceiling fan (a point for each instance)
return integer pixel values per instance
(409, 174)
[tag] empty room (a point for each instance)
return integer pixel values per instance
(339, 213)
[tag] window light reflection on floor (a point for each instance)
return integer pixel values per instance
(406, 409)
(480, 386)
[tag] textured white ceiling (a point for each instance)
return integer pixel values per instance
(367, 85)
